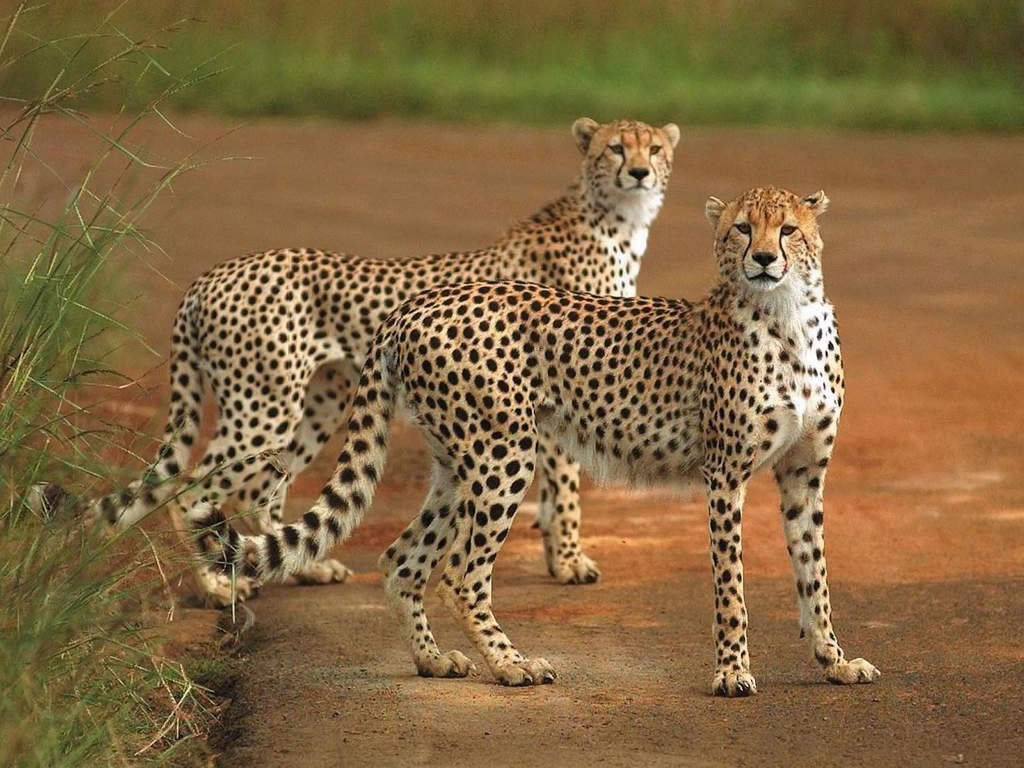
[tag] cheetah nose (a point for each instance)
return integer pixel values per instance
(764, 258)
(639, 173)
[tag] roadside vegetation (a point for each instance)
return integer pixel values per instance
(876, 64)
(84, 679)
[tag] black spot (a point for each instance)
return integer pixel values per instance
(332, 499)
(274, 558)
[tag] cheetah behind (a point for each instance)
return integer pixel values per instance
(648, 390)
(275, 335)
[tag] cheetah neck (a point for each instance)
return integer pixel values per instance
(624, 210)
(792, 315)
(621, 226)
(580, 242)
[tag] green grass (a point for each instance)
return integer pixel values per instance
(82, 684)
(914, 64)
(82, 678)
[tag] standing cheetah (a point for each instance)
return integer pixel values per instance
(644, 390)
(276, 334)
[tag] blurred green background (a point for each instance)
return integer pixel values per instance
(907, 64)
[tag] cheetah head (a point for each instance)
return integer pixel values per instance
(768, 237)
(625, 158)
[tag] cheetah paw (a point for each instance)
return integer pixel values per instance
(217, 589)
(451, 664)
(525, 672)
(732, 683)
(323, 572)
(849, 672)
(579, 570)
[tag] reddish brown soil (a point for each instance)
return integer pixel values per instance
(925, 499)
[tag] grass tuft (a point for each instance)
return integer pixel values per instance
(82, 683)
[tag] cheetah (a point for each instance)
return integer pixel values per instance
(644, 390)
(278, 336)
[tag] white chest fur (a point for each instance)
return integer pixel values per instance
(638, 241)
(626, 241)
(800, 344)
(624, 251)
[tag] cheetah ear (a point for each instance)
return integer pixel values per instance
(583, 131)
(671, 131)
(713, 210)
(818, 202)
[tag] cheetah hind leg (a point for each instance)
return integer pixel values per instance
(219, 590)
(484, 522)
(324, 409)
(472, 610)
(328, 571)
(844, 672)
(559, 515)
(216, 588)
(407, 565)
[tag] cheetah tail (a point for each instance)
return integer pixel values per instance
(345, 497)
(49, 500)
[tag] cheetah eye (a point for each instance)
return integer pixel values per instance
(655, 149)
(788, 230)
(744, 228)
(617, 149)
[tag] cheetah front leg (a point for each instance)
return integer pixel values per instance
(801, 479)
(725, 512)
(325, 407)
(201, 504)
(559, 517)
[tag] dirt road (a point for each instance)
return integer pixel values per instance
(925, 503)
